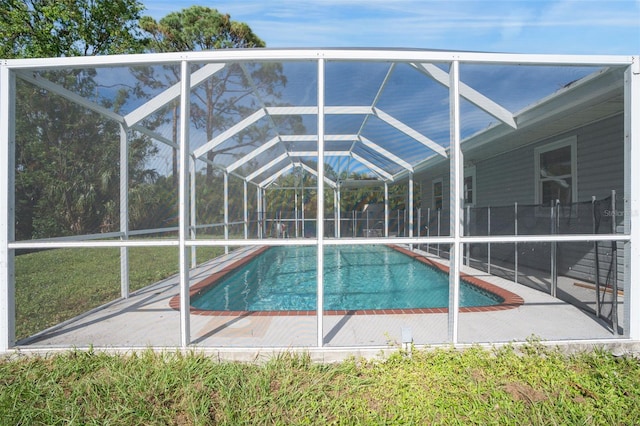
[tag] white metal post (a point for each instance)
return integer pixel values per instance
(386, 209)
(428, 228)
(258, 212)
(554, 246)
(411, 209)
(455, 221)
(439, 219)
(302, 205)
(320, 203)
(596, 256)
(335, 213)
(353, 223)
(245, 215)
(367, 230)
(192, 216)
(183, 231)
(467, 225)
(632, 199)
(124, 211)
(614, 266)
(515, 254)
(263, 206)
(226, 210)
(411, 204)
(488, 244)
(339, 211)
(295, 210)
(7, 212)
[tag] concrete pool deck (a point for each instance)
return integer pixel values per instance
(146, 319)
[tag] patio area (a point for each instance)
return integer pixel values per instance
(146, 319)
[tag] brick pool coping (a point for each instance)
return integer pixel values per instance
(510, 300)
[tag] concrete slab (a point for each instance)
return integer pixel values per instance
(146, 320)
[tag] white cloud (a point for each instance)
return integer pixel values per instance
(454, 24)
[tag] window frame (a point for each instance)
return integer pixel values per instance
(433, 193)
(470, 171)
(571, 141)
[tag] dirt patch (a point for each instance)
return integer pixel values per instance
(523, 392)
(477, 375)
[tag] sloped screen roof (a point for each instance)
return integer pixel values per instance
(259, 119)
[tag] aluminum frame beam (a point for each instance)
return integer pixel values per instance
(315, 153)
(632, 193)
(77, 99)
(328, 181)
(414, 134)
(274, 176)
(478, 99)
(385, 153)
(320, 206)
(334, 54)
(366, 110)
(71, 96)
(372, 166)
(456, 203)
(229, 133)
(254, 153)
(288, 167)
(155, 136)
(7, 212)
(172, 93)
(331, 138)
(124, 211)
(183, 202)
(266, 167)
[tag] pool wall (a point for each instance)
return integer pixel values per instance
(509, 300)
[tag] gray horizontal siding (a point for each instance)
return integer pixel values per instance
(601, 159)
(429, 214)
(508, 178)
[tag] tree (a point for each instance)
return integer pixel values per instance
(198, 28)
(221, 100)
(227, 96)
(52, 28)
(282, 194)
(66, 156)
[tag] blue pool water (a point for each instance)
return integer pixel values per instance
(356, 277)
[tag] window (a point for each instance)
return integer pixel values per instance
(437, 194)
(469, 190)
(556, 173)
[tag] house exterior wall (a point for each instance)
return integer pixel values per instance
(429, 212)
(509, 178)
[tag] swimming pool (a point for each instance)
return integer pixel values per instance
(356, 278)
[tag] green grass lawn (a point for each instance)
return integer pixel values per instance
(55, 285)
(535, 385)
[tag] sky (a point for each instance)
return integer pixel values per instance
(509, 26)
